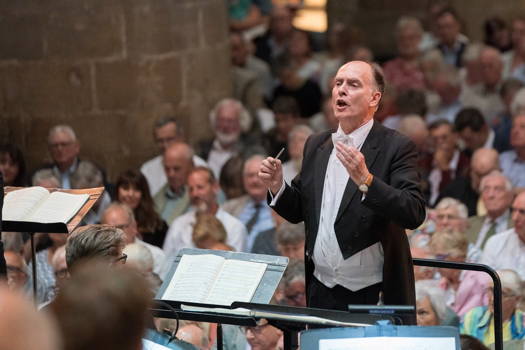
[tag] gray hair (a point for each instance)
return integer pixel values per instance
(165, 120)
(245, 119)
(409, 22)
(45, 175)
(428, 288)
(12, 241)
(300, 129)
(411, 124)
(87, 176)
(510, 279)
(472, 52)
(288, 233)
(496, 173)
(93, 241)
(294, 272)
(140, 256)
(62, 128)
(448, 202)
(120, 206)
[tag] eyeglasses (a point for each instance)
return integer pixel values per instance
(442, 256)
(61, 144)
(15, 270)
(257, 330)
(295, 297)
(62, 273)
(122, 259)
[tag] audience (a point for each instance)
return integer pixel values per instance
(461, 103)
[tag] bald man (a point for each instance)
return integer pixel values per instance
(173, 199)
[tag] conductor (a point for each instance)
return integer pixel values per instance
(358, 189)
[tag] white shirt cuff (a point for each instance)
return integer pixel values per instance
(277, 195)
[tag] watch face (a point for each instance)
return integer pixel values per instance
(363, 188)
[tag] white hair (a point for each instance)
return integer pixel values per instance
(496, 173)
(300, 130)
(448, 202)
(245, 119)
(436, 295)
(510, 279)
(139, 255)
(411, 124)
(408, 22)
(517, 105)
(62, 128)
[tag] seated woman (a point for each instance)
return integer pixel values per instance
(464, 289)
(12, 165)
(479, 322)
(132, 189)
(431, 309)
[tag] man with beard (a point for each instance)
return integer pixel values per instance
(203, 189)
(229, 120)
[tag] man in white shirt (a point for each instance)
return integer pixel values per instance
(506, 250)
(496, 194)
(121, 216)
(165, 132)
(357, 191)
(203, 189)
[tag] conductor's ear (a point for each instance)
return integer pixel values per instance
(376, 97)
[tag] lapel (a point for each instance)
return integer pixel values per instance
(370, 150)
(321, 164)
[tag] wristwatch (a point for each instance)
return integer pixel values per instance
(364, 186)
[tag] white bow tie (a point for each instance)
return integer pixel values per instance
(344, 139)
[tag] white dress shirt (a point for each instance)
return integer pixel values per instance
(362, 269)
(502, 223)
(435, 176)
(505, 250)
(218, 157)
(180, 232)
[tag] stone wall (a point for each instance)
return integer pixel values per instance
(109, 68)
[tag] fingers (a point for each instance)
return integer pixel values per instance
(269, 168)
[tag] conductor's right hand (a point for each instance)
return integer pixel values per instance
(271, 174)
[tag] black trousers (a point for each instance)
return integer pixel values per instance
(338, 297)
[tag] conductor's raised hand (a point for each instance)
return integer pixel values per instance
(353, 161)
(271, 174)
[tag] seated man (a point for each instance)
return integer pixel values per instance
(473, 130)
(64, 149)
(513, 161)
(496, 194)
(172, 200)
(121, 216)
(165, 132)
(290, 240)
(17, 274)
(252, 209)
(506, 250)
(203, 188)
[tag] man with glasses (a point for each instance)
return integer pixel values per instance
(17, 273)
(263, 336)
(64, 149)
(506, 250)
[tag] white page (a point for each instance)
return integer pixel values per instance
(237, 281)
(19, 204)
(59, 207)
(193, 278)
(149, 345)
(390, 343)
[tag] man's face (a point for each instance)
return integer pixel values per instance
(408, 40)
(284, 122)
(63, 148)
(263, 337)
(239, 51)
(354, 95)
(473, 139)
(177, 168)
(447, 29)
(495, 195)
(202, 192)
(518, 215)
(517, 133)
(518, 32)
(444, 138)
(449, 219)
(491, 67)
(165, 136)
(118, 217)
(295, 294)
(16, 272)
(480, 167)
(227, 124)
(252, 184)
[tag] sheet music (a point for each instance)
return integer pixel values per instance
(390, 343)
(237, 281)
(194, 278)
(18, 204)
(59, 207)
